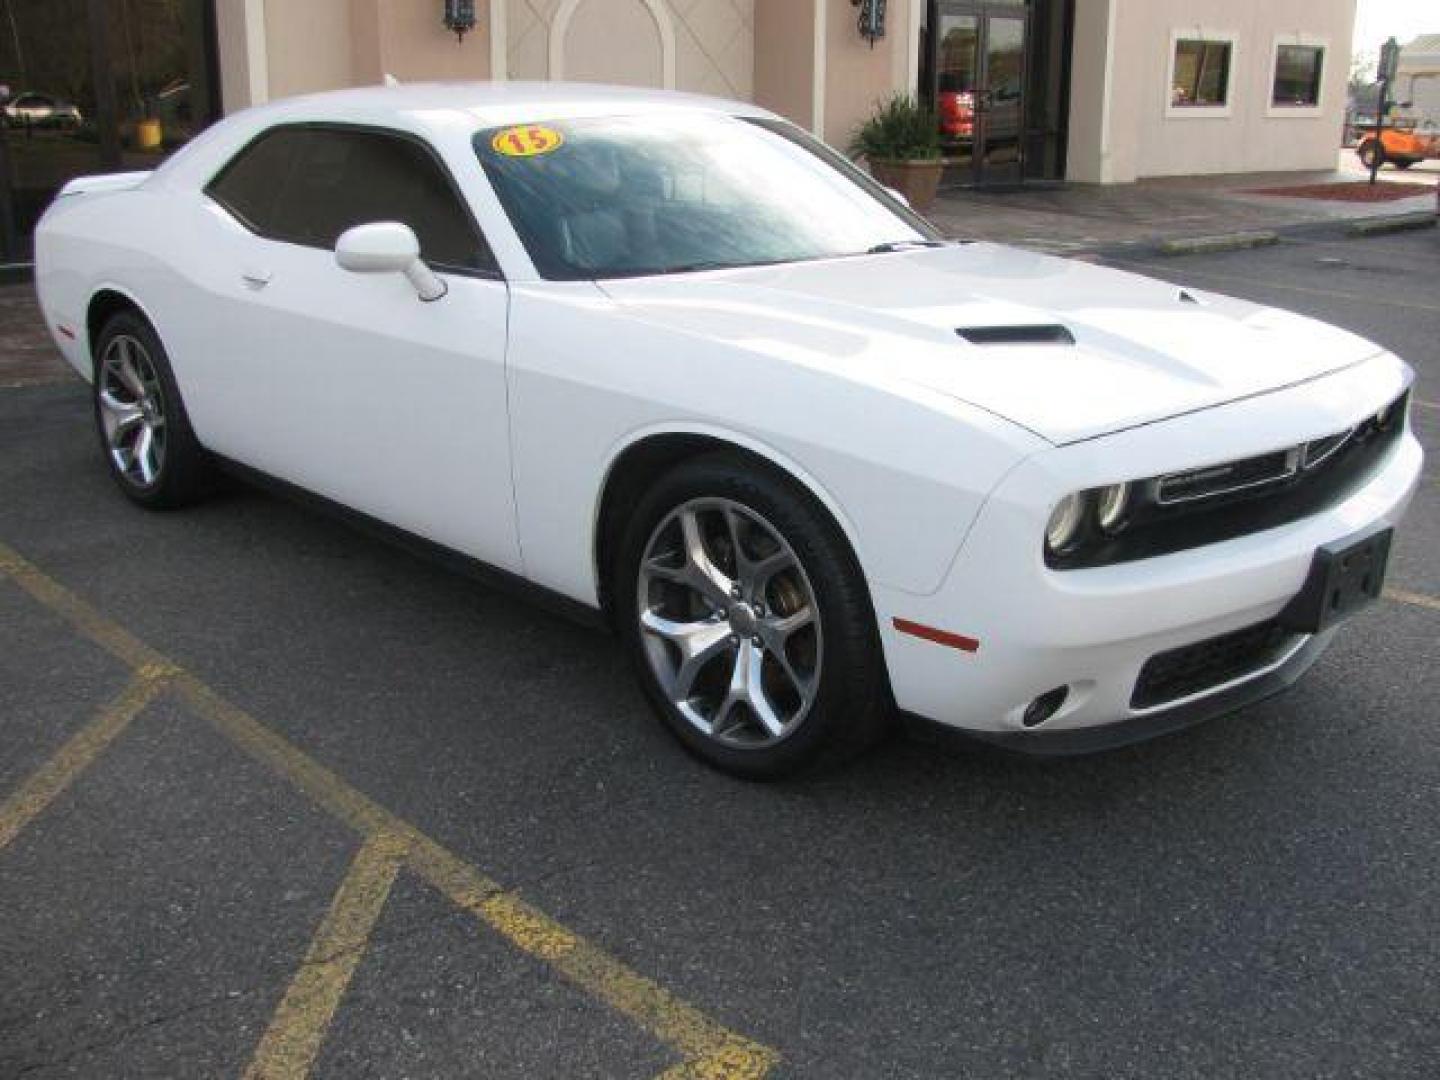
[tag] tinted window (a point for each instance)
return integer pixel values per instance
(308, 185)
(1297, 75)
(251, 184)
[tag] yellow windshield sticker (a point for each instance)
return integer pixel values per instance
(529, 140)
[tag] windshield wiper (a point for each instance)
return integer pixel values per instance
(697, 267)
(903, 245)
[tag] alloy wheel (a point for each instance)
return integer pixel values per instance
(729, 623)
(132, 410)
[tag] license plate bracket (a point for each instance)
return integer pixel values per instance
(1345, 576)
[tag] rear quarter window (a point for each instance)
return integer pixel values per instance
(250, 185)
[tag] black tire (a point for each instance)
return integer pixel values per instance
(1370, 152)
(1403, 162)
(184, 469)
(851, 707)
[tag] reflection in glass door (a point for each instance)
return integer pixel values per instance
(979, 79)
(1002, 114)
(90, 86)
(957, 71)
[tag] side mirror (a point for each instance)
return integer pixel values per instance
(388, 247)
(899, 198)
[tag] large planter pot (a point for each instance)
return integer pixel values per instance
(918, 180)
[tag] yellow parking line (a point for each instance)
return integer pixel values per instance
(36, 793)
(1413, 598)
(710, 1051)
(124, 646)
(298, 1027)
(724, 1064)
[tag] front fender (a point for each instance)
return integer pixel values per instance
(903, 475)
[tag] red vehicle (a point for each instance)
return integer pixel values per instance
(957, 114)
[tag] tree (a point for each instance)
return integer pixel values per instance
(1362, 87)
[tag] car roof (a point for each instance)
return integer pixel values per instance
(488, 103)
(443, 111)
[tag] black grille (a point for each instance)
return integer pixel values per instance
(1223, 479)
(1192, 669)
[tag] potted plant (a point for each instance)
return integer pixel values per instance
(901, 143)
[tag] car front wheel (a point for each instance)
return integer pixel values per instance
(749, 622)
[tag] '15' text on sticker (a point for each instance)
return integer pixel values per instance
(531, 140)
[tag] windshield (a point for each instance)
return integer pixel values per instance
(672, 192)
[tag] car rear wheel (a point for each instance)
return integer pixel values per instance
(144, 431)
(1403, 162)
(748, 621)
(1371, 153)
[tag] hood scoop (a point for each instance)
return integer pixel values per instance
(1017, 335)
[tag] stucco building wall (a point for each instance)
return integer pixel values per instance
(1122, 126)
(806, 60)
(784, 68)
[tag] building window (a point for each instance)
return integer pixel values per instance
(1298, 70)
(1201, 76)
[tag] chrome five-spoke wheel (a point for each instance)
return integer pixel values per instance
(132, 410)
(729, 623)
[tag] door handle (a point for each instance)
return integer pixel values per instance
(255, 279)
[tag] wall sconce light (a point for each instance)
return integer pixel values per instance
(872, 19)
(460, 17)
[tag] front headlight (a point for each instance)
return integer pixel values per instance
(1066, 522)
(1085, 517)
(1111, 507)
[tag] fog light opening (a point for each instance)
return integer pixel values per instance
(1044, 707)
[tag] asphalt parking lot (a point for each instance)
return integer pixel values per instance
(277, 799)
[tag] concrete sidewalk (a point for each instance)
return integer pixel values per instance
(1079, 218)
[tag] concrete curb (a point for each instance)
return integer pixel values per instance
(1340, 229)
(1207, 245)
(1418, 219)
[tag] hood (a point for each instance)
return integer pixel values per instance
(1065, 349)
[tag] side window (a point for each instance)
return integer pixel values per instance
(250, 186)
(308, 185)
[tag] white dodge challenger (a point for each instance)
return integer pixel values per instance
(669, 360)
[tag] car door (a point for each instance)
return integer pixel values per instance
(349, 385)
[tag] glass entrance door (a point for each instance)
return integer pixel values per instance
(89, 86)
(957, 77)
(1001, 105)
(980, 89)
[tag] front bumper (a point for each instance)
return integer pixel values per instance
(1264, 683)
(1092, 631)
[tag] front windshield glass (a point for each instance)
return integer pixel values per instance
(624, 196)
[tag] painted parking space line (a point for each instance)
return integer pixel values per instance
(298, 1027)
(708, 1050)
(80, 751)
(1414, 599)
